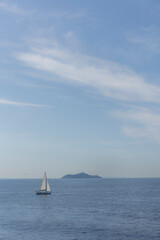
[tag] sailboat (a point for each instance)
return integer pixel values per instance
(45, 188)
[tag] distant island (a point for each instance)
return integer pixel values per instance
(81, 175)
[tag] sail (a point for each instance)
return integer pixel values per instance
(45, 188)
(48, 187)
(43, 185)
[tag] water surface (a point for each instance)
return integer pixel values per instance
(88, 209)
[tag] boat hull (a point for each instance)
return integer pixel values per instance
(43, 193)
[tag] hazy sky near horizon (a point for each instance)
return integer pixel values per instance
(79, 88)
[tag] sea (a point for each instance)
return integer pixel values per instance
(88, 209)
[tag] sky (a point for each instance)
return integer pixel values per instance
(79, 88)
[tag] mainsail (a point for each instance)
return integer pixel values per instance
(45, 188)
(43, 185)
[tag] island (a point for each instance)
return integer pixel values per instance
(81, 175)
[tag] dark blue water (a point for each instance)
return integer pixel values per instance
(89, 209)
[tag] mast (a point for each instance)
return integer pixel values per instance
(46, 182)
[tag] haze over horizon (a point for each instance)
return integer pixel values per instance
(79, 88)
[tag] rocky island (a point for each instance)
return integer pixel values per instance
(81, 175)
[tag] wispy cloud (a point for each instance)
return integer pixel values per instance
(147, 38)
(111, 79)
(68, 15)
(108, 78)
(119, 143)
(21, 104)
(141, 122)
(13, 9)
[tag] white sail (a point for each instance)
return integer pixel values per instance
(48, 187)
(43, 185)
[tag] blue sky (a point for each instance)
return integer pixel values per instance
(79, 88)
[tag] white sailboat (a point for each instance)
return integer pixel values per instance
(45, 188)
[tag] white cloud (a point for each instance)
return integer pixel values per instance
(68, 15)
(146, 38)
(22, 104)
(119, 143)
(111, 79)
(13, 9)
(141, 122)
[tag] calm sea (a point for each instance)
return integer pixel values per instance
(88, 209)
